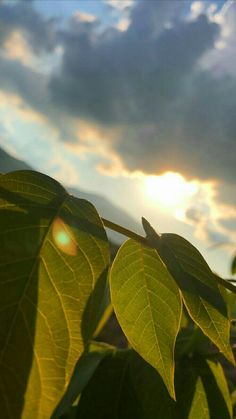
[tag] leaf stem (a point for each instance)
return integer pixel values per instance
(126, 232)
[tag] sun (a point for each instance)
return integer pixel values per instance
(170, 189)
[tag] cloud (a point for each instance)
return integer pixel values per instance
(226, 192)
(16, 48)
(119, 4)
(22, 17)
(148, 81)
(229, 223)
(159, 91)
(214, 236)
(84, 17)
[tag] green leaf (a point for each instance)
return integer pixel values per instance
(103, 320)
(198, 285)
(150, 390)
(147, 304)
(70, 414)
(83, 372)
(202, 391)
(54, 257)
(200, 291)
(110, 393)
(191, 396)
(125, 386)
(217, 390)
(233, 266)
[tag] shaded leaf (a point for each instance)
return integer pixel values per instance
(147, 304)
(191, 396)
(83, 371)
(217, 390)
(125, 386)
(202, 390)
(70, 414)
(150, 390)
(103, 320)
(54, 258)
(198, 285)
(110, 393)
(233, 266)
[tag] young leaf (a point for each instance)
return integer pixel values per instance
(147, 304)
(54, 258)
(198, 285)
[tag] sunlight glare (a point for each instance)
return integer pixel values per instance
(169, 189)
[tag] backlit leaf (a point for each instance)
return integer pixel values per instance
(54, 257)
(200, 290)
(147, 304)
(198, 285)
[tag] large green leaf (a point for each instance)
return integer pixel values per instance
(110, 393)
(147, 303)
(198, 285)
(150, 390)
(125, 386)
(54, 257)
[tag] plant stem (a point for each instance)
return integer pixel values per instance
(119, 229)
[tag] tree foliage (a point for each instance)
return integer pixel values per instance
(55, 281)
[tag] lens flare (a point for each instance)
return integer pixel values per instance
(64, 238)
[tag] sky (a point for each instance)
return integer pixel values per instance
(131, 99)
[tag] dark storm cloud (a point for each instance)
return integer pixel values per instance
(18, 79)
(22, 16)
(148, 81)
(133, 76)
